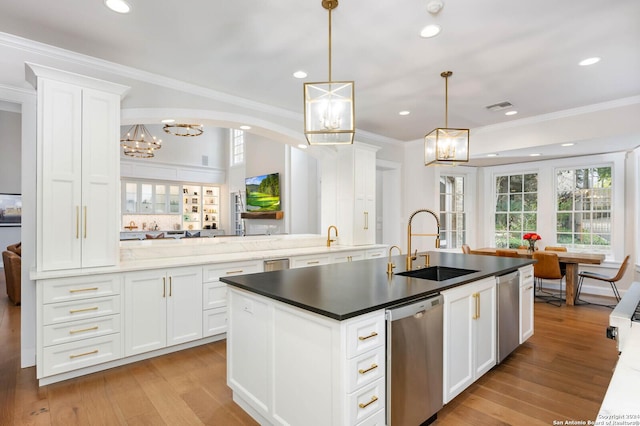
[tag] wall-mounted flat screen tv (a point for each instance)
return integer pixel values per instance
(263, 193)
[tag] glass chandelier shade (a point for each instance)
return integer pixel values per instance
(139, 143)
(443, 145)
(329, 113)
(329, 106)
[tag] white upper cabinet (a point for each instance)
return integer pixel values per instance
(78, 154)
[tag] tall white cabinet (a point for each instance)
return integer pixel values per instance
(78, 156)
(356, 200)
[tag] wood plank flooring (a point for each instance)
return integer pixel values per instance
(561, 373)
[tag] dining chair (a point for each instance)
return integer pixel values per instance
(560, 249)
(600, 277)
(506, 253)
(466, 249)
(547, 267)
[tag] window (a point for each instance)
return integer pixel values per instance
(237, 147)
(583, 208)
(453, 232)
(516, 208)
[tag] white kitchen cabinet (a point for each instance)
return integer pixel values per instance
(356, 207)
(150, 198)
(347, 256)
(309, 260)
(526, 302)
(214, 293)
(162, 308)
(295, 367)
(78, 153)
(469, 334)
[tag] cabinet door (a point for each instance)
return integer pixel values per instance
(484, 327)
(100, 177)
(60, 140)
(145, 310)
(458, 340)
(365, 204)
(184, 305)
(526, 303)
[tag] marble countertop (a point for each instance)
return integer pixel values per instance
(345, 290)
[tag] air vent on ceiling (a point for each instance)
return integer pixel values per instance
(499, 106)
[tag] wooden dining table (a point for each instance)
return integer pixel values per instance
(570, 259)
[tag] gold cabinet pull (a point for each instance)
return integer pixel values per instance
(77, 222)
(366, 370)
(85, 222)
(475, 306)
(77, 290)
(75, 311)
(170, 287)
(82, 330)
(373, 334)
(365, 405)
(235, 272)
(376, 255)
(366, 220)
(313, 262)
(530, 287)
(72, 356)
(164, 287)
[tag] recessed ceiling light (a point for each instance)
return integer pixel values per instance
(404, 113)
(245, 127)
(168, 120)
(300, 74)
(492, 155)
(589, 61)
(430, 31)
(302, 146)
(535, 155)
(511, 113)
(568, 144)
(120, 6)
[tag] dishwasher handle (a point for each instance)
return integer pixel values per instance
(417, 309)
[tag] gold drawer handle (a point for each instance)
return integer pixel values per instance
(376, 255)
(235, 272)
(373, 399)
(82, 330)
(313, 262)
(528, 276)
(75, 311)
(77, 290)
(374, 334)
(530, 287)
(72, 356)
(366, 370)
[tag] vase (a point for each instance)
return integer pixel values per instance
(532, 246)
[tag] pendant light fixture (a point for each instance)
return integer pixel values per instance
(139, 143)
(179, 129)
(329, 106)
(445, 146)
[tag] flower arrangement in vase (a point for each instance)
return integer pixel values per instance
(531, 238)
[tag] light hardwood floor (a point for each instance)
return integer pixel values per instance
(560, 374)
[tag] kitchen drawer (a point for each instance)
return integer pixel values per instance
(76, 288)
(366, 401)
(347, 256)
(215, 272)
(310, 260)
(214, 295)
(366, 368)
(66, 332)
(83, 353)
(80, 309)
(374, 253)
(214, 321)
(526, 275)
(364, 335)
(377, 419)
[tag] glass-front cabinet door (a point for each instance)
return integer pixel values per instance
(146, 198)
(174, 199)
(130, 204)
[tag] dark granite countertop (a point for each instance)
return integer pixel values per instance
(345, 290)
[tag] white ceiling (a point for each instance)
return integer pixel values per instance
(524, 52)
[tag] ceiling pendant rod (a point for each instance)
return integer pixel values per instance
(446, 75)
(330, 6)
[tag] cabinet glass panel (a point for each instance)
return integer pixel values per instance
(130, 197)
(174, 199)
(161, 199)
(146, 198)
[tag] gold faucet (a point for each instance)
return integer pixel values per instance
(411, 258)
(390, 264)
(329, 240)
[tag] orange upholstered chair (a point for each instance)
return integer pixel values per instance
(611, 280)
(547, 267)
(506, 253)
(466, 249)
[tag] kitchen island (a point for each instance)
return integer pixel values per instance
(308, 346)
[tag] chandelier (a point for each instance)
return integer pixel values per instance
(188, 130)
(445, 146)
(329, 106)
(139, 143)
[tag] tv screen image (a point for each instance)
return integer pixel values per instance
(263, 193)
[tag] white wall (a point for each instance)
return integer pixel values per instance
(10, 164)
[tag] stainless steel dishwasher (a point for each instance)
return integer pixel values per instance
(414, 362)
(276, 264)
(508, 337)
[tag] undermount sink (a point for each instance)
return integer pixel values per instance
(437, 273)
